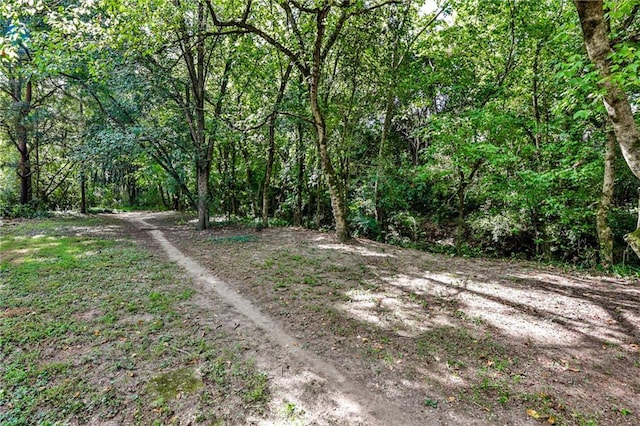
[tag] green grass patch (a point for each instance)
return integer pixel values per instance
(173, 384)
(88, 319)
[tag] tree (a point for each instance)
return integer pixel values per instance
(605, 235)
(595, 30)
(271, 144)
(192, 43)
(179, 43)
(18, 82)
(596, 34)
(405, 30)
(311, 32)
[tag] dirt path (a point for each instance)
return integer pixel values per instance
(318, 387)
(370, 334)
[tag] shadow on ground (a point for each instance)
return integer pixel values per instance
(509, 342)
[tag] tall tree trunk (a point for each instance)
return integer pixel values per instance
(233, 184)
(336, 191)
(196, 59)
(605, 236)
(164, 197)
(596, 37)
(24, 167)
(595, 30)
(83, 192)
(537, 134)
(203, 170)
(272, 145)
(253, 197)
(379, 212)
(297, 215)
(318, 190)
(463, 186)
(267, 174)
(203, 166)
(461, 214)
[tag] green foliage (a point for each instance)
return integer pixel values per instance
(484, 125)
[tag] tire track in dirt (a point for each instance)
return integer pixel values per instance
(327, 395)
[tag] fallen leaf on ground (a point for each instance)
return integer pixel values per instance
(533, 413)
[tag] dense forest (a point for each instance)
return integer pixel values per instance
(492, 127)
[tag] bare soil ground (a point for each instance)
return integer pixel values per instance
(372, 334)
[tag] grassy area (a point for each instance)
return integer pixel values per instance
(95, 328)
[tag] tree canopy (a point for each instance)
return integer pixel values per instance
(501, 127)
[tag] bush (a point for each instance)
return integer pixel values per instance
(501, 233)
(404, 228)
(365, 226)
(22, 211)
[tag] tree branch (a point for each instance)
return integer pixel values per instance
(299, 6)
(295, 58)
(294, 24)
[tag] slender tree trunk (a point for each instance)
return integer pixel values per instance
(379, 212)
(338, 199)
(194, 56)
(336, 192)
(267, 175)
(24, 167)
(203, 169)
(83, 192)
(253, 197)
(272, 145)
(36, 170)
(380, 216)
(605, 236)
(319, 205)
(203, 165)
(233, 184)
(463, 185)
(164, 197)
(297, 215)
(596, 37)
(537, 134)
(461, 213)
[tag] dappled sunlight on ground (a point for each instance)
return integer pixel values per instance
(388, 310)
(106, 230)
(533, 311)
(294, 395)
(488, 337)
(362, 251)
(362, 306)
(22, 255)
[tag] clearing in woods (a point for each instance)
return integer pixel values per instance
(287, 326)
